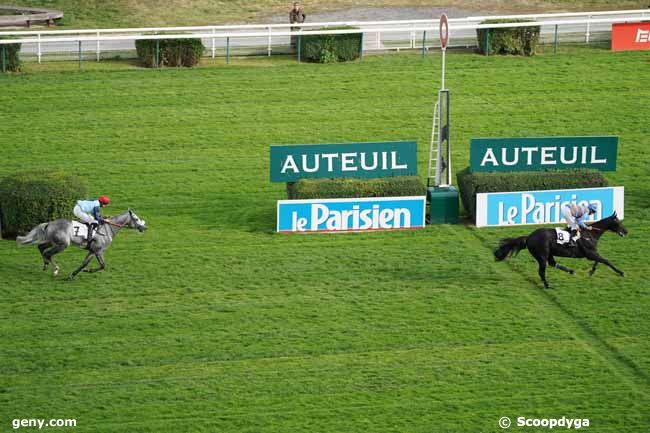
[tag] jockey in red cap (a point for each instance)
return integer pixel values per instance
(88, 211)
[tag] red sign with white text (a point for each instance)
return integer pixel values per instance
(631, 36)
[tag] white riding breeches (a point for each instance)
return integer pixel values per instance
(83, 216)
(570, 219)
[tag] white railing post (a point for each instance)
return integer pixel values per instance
(214, 46)
(412, 37)
(587, 35)
(98, 49)
(268, 47)
(378, 40)
(39, 53)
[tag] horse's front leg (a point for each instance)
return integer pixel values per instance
(593, 269)
(102, 264)
(597, 258)
(87, 260)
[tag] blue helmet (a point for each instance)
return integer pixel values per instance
(593, 207)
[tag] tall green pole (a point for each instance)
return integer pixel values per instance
(299, 46)
(361, 48)
(424, 42)
(4, 59)
(157, 52)
(228, 50)
(555, 41)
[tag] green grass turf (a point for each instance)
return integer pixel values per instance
(212, 322)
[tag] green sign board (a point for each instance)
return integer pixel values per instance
(543, 153)
(358, 160)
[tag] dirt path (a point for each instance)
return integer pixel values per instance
(381, 14)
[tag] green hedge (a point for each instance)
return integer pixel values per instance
(470, 184)
(28, 199)
(512, 40)
(355, 188)
(172, 52)
(331, 48)
(11, 57)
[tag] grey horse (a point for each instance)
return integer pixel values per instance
(57, 235)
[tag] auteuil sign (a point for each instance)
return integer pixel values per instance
(359, 160)
(543, 153)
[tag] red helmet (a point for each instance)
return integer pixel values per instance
(104, 200)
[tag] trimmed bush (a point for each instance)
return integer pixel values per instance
(512, 40)
(470, 184)
(28, 199)
(11, 57)
(356, 188)
(331, 48)
(172, 52)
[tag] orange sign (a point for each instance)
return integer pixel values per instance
(631, 36)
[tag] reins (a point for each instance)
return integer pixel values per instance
(113, 224)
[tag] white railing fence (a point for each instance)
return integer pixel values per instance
(265, 39)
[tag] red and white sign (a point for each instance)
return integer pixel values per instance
(631, 36)
(444, 31)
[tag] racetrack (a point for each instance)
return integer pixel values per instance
(210, 321)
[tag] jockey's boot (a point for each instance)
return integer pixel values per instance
(572, 235)
(91, 230)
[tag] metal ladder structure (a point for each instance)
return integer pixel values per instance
(432, 172)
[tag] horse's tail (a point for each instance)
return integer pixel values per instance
(37, 235)
(510, 247)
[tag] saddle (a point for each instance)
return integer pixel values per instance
(85, 231)
(564, 237)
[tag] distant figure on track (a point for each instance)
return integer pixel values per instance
(544, 247)
(57, 235)
(296, 15)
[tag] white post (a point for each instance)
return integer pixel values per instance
(442, 81)
(268, 48)
(378, 40)
(588, 29)
(98, 50)
(412, 37)
(39, 48)
(214, 47)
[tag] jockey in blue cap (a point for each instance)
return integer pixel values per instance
(575, 216)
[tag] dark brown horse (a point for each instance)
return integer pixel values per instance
(542, 244)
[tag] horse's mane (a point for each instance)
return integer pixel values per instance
(605, 221)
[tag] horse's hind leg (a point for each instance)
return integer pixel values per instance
(542, 270)
(593, 269)
(41, 249)
(49, 257)
(556, 265)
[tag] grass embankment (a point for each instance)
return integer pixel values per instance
(155, 13)
(212, 322)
